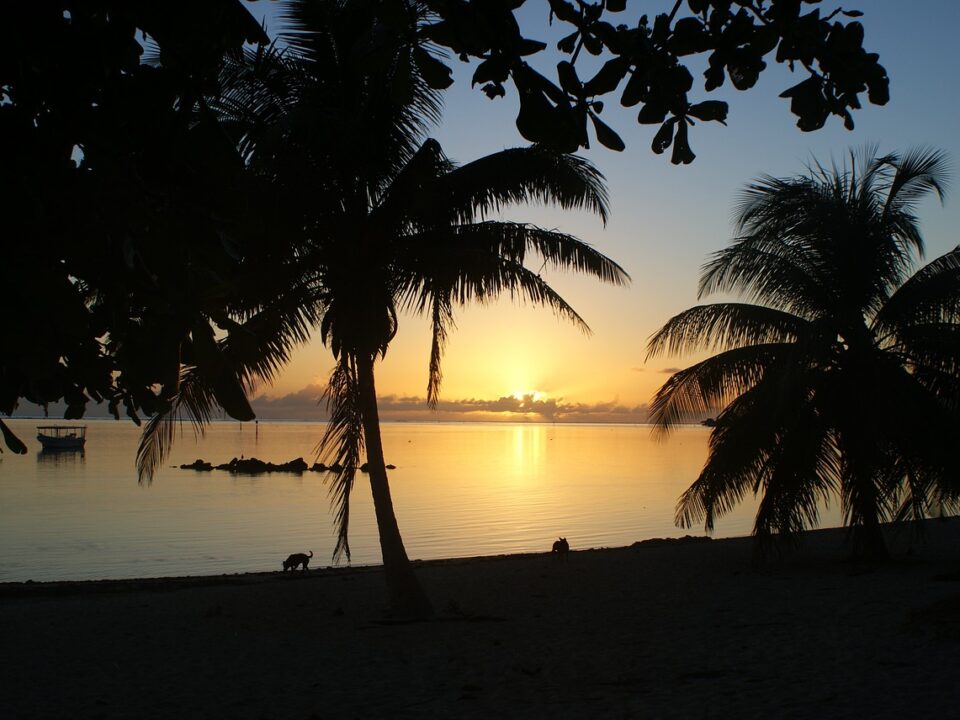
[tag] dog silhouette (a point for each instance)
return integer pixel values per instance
(561, 548)
(296, 559)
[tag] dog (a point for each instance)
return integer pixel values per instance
(297, 559)
(561, 548)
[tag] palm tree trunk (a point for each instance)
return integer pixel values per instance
(871, 543)
(861, 451)
(868, 542)
(406, 595)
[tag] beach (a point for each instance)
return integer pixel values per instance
(660, 629)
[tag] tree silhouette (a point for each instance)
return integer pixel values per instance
(381, 221)
(124, 206)
(646, 55)
(843, 379)
(136, 230)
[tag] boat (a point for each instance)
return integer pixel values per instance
(62, 437)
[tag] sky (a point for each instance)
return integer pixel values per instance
(506, 361)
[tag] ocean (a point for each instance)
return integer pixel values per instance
(459, 490)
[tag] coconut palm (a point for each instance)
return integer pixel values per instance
(840, 374)
(377, 220)
(424, 246)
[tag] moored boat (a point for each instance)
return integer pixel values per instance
(62, 437)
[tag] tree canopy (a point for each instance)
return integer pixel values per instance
(135, 234)
(645, 63)
(383, 221)
(837, 377)
(124, 205)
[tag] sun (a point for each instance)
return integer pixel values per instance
(525, 396)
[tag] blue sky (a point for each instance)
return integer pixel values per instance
(665, 220)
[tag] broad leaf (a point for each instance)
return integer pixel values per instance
(606, 135)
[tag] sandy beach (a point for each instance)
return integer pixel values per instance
(655, 630)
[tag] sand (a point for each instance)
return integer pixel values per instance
(691, 630)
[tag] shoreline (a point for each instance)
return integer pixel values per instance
(668, 629)
(16, 588)
(816, 541)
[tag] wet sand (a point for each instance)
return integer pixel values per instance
(691, 630)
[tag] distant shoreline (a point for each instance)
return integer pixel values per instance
(228, 421)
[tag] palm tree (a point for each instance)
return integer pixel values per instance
(840, 375)
(377, 220)
(423, 246)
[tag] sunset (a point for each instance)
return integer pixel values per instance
(430, 358)
(665, 221)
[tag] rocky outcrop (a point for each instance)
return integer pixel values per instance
(255, 466)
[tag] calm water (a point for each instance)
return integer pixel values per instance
(459, 490)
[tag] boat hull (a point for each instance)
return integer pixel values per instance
(63, 443)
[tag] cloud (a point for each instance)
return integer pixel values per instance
(670, 370)
(509, 407)
(303, 404)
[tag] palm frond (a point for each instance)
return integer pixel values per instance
(723, 326)
(917, 173)
(257, 88)
(930, 295)
(928, 347)
(780, 207)
(919, 440)
(828, 255)
(739, 448)
(767, 272)
(833, 225)
(195, 402)
(909, 491)
(559, 251)
(441, 322)
(711, 384)
(341, 445)
(361, 56)
(261, 342)
(525, 175)
(483, 283)
(444, 253)
(772, 447)
(745, 451)
(412, 193)
(803, 473)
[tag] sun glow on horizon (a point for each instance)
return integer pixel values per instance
(525, 396)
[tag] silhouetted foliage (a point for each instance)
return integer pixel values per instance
(335, 121)
(843, 380)
(124, 202)
(137, 246)
(644, 63)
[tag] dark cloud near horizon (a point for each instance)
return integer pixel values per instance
(304, 404)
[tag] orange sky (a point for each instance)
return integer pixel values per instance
(665, 221)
